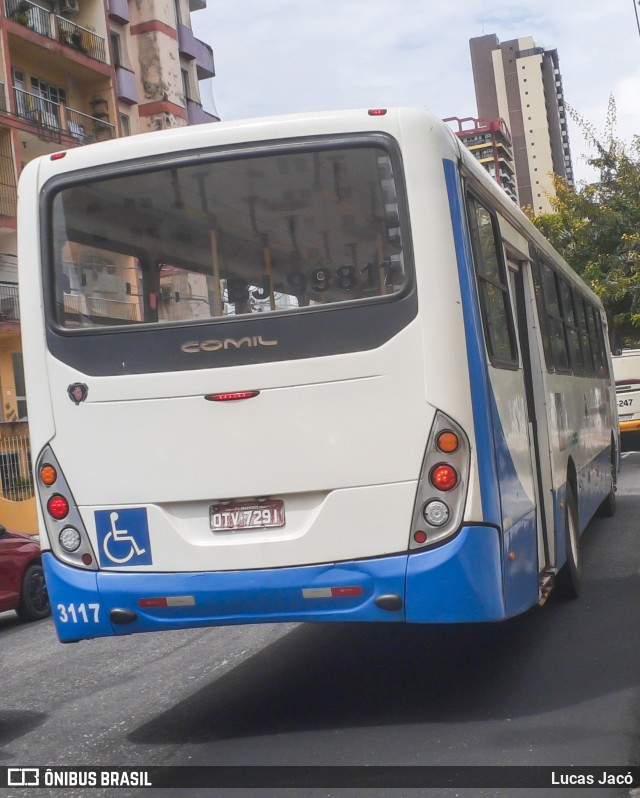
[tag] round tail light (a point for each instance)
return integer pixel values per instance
(58, 507)
(443, 477)
(436, 513)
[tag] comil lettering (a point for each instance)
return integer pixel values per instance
(214, 345)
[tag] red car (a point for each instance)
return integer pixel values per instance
(22, 586)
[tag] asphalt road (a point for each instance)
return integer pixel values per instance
(556, 686)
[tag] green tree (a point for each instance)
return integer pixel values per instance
(596, 228)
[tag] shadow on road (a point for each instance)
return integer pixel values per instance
(16, 723)
(344, 676)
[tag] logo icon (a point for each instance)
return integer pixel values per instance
(78, 392)
(215, 344)
(23, 777)
(123, 537)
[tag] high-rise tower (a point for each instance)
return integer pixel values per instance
(521, 83)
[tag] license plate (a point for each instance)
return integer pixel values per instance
(233, 516)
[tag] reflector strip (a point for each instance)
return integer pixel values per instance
(331, 592)
(167, 601)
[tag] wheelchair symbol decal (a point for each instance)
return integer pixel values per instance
(123, 537)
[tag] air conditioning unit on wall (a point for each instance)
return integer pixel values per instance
(69, 7)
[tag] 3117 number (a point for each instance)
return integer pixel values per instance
(80, 613)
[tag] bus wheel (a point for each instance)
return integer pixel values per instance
(568, 578)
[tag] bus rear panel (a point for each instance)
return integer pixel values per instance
(258, 383)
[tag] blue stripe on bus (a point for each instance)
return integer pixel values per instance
(502, 493)
(480, 386)
(459, 581)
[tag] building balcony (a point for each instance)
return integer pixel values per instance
(46, 23)
(205, 67)
(54, 118)
(126, 87)
(196, 115)
(194, 49)
(118, 10)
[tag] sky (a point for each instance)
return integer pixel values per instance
(290, 56)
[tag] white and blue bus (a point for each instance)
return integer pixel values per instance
(626, 371)
(307, 368)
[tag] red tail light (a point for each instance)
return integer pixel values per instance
(231, 397)
(58, 507)
(443, 477)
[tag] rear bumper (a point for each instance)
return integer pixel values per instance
(630, 426)
(459, 581)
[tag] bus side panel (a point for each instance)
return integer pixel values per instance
(506, 488)
(459, 582)
(475, 352)
(559, 520)
(594, 482)
(520, 557)
(519, 512)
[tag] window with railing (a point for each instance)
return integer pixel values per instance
(53, 26)
(30, 15)
(82, 127)
(16, 483)
(9, 305)
(81, 39)
(7, 178)
(36, 108)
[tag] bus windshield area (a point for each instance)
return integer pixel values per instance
(228, 236)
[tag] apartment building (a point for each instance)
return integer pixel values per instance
(521, 83)
(489, 141)
(74, 72)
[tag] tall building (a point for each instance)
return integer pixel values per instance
(489, 142)
(74, 72)
(521, 83)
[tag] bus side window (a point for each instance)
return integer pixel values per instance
(570, 326)
(592, 330)
(554, 319)
(542, 311)
(602, 347)
(493, 290)
(582, 309)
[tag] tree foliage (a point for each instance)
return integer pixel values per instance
(596, 228)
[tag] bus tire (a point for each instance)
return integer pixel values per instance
(568, 578)
(608, 507)
(34, 603)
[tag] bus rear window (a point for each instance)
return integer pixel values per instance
(228, 237)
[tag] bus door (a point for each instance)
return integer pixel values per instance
(534, 375)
